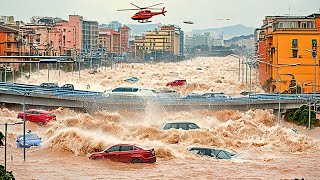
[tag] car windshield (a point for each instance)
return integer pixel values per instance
(29, 137)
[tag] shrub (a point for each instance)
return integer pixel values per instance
(5, 175)
(301, 116)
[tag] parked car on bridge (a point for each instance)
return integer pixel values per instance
(180, 125)
(180, 82)
(67, 87)
(209, 95)
(49, 85)
(40, 117)
(212, 152)
(31, 140)
(127, 153)
(167, 93)
(130, 92)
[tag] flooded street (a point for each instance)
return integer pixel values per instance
(264, 149)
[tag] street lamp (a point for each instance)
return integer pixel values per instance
(315, 70)
(5, 140)
(236, 56)
(24, 119)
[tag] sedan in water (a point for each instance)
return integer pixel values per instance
(127, 153)
(212, 152)
(40, 117)
(31, 140)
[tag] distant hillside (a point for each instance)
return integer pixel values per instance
(228, 31)
(244, 40)
(238, 38)
(138, 29)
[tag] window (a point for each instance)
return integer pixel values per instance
(36, 112)
(294, 53)
(167, 126)
(294, 43)
(127, 148)
(183, 126)
(223, 155)
(8, 45)
(114, 149)
(32, 137)
(280, 25)
(193, 126)
(174, 125)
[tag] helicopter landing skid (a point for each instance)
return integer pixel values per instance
(146, 21)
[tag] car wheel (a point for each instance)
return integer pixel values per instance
(40, 123)
(136, 160)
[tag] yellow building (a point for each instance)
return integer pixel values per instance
(288, 41)
(166, 39)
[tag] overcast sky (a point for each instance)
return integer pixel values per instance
(203, 12)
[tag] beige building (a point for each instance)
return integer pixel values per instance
(166, 39)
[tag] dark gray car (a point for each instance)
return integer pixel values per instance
(180, 125)
(49, 85)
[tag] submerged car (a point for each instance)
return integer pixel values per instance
(180, 82)
(38, 116)
(67, 87)
(180, 125)
(168, 93)
(31, 140)
(130, 92)
(212, 152)
(127, 153)
(49, 85)
(132, 79)
(209, 95)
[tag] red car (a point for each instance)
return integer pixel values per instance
(127, 153)
(40, 117)
(177, 83)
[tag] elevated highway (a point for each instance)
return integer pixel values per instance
(34, 96)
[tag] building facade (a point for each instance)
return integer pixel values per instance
(167, 40)
(284, 44)
(9, 41)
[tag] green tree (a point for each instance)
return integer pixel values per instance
(5, 175)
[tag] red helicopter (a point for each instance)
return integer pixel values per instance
(145, 13)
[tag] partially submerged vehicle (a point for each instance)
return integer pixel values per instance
(31, 140)
(212, 152)
(128, 153)
(180, 125)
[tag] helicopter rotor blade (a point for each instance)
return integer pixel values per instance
(155, 8)
(127, 9)
(136, 6)
(153, 5)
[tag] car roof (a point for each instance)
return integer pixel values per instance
(38, 110)
(124, 145)
(214, 93)
(180, 122)
(204, 147)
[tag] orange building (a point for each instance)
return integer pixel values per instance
(8, 41)
(115, 41)
(284, 43)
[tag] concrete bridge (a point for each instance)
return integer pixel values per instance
(9, 98)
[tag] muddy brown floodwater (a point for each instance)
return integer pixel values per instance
(264, 149)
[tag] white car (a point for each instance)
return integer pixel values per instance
(130, 92)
